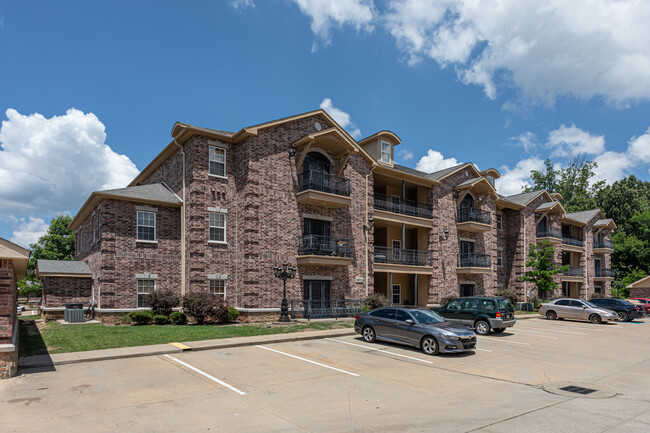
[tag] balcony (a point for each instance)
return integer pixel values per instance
(472, 220)
(571, 243)
(324, 251)
(323, 189)
(551, 234)
(404, 207)
(474, 263)
(604, 273)
(604, 246)
(573, 271)
(401, 260)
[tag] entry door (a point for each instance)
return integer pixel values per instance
(466, 253)
(316, 237)
(466, 290)
(317, 298)
(597, 266)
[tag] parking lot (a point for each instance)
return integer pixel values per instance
(345, 384)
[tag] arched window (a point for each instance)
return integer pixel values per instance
(467, 207)
(316, 172)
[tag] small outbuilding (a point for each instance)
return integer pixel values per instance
(640, 288)
(13, 264)
(63, 281)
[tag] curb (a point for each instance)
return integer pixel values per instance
(44, 361)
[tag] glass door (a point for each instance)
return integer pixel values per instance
(317, 298)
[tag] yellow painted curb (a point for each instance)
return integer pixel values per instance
(181, 346)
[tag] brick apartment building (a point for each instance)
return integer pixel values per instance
(216, 210)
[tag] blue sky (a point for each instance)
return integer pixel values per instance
(89, 91)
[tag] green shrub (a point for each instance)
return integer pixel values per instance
(141, 317)
(233, 314)
(373, 301)
(203, 305)
(163, 301)
(178, 318)
(126, 319)
(509, 296)
(159, 319)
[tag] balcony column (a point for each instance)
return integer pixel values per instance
(403, 236)
(415, 291)
(390, 289)
(404, 191)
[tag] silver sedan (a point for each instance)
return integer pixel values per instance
(577, 309)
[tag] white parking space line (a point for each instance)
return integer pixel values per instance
(536, 335)
(381, 350)
(220, 382)
(501, 339)
(307, 360)
(570, 325)
(553, 330)
(483, 350)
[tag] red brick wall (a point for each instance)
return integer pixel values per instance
(8, 296)
(59, 290)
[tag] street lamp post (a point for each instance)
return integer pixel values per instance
(285, 272)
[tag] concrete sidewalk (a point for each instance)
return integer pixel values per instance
(39, 361)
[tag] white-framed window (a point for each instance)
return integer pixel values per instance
(146, 226)
(217, 161)
(218, 288)
(385, 152)
(217, 227)
(499, 257)
(145, 288)
(397, 294)
(499, 221)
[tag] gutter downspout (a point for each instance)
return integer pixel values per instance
(183, 222)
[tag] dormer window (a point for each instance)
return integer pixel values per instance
(385, 152)
(491, 180)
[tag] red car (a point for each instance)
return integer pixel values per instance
(645, 302)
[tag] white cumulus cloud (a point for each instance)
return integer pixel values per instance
(325, 14)
(341, 117)
(545, 49)
(639, 147)
(434, 161)
(573, 141)
(29, 230)
(612, 166)
(405, 155)
(51, 165)
(513, 180)
(242, 4)
(527, 140)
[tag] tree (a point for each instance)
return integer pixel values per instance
(56, 244)
(540, 259)
(571, 182)
(623, 199)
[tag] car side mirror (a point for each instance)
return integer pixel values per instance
(410, 322)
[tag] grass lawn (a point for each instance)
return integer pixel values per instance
(34, 317)
(51, 337)
(526, 312)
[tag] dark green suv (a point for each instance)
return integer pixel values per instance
(480, 312)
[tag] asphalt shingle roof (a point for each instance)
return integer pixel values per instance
(68, 267)
(584, 217)
(156, 192)
(442, 173)
(547, 205)
(523, 198)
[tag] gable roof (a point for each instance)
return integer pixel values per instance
(606, 223)
(378, 134)
(583, 217)
(643, 282)
(441, 174)
(526, 197)
(62, 268)
(155, 193)
(17, 254)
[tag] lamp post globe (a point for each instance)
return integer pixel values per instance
(285, 272)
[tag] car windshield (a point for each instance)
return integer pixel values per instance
(426, 316)
(589, 304)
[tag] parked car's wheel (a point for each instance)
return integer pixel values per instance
(551, 315)
(430, 345)
(595, 318)
(482, 327)
(623, 316)
(498, 330)
(369, 335)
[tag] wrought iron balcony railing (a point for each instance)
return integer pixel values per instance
(325, 246)
(404, 207)
(574, 272)
(605, 243)
(570, 240)
(324, 182)
(474, 215)
(605, 272)
(474, 260)
(549, 232)
(311, 309)
(400, 256)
